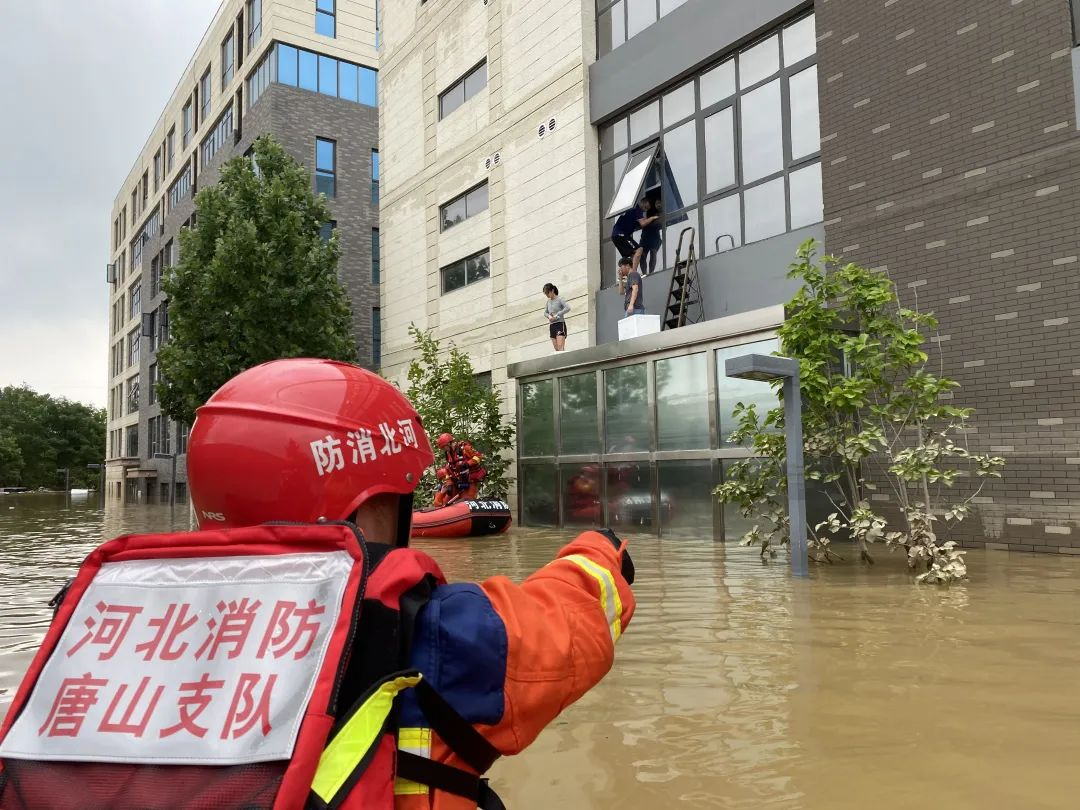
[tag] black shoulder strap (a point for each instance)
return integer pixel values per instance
(454, 730)
(425, 771)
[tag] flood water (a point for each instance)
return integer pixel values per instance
(736, 687)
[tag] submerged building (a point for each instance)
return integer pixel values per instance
(937, 140)
(304, 71)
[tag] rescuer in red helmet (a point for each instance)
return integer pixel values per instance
(305, 440)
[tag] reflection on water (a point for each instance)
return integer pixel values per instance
(736, 687)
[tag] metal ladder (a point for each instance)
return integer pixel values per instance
(684, 304)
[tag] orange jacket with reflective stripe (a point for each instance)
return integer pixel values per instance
(561, 625)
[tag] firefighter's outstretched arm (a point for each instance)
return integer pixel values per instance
(562, 624)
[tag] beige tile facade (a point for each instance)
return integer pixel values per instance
(541, 218)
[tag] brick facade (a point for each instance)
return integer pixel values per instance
(951, 157)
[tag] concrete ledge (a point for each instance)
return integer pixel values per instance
(744, 323)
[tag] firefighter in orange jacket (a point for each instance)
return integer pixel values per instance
(506, 657)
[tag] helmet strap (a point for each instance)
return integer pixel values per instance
(404, 522)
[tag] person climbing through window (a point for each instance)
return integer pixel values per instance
(555, 311)
(651, 238)
(622, 234)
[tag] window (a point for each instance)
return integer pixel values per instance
(326, 167)
(135, 296)
(466, 271)
(163, 324)
(1075, 6)
(182, 434)
(376, 336)
(218, 137)
(157, 170)
(254, 15)
(619, 20)
(228, 61)
(133, 342)
(459, 209)
(327, 230)
(325, 19)
(170, 149)
(180, 188)
(155, 276)
(152, 384)
(153, 430)
(259, 80)
(318, 73)
(463, 89)
(204, 97)
(376, 270)
(374, 176)
(133, 439)
(149, 330)
(734, 153)
(185, 125)
(133, 394)
(145, 189)
(166, 436)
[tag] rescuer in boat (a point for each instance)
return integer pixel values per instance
(507, 658)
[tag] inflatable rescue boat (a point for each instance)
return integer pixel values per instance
(471, 518)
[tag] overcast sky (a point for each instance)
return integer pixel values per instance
(81, 84)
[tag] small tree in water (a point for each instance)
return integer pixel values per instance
(450, 399)
(255, 281)
(874, 412)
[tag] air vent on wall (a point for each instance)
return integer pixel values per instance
(491, 161)
(546, 127)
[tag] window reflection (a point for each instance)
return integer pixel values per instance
(762, 132)
(807, 206)
(686, 497)
(682, 403)
(537, 419)
(765, 214)
(629, 495)
(581, 490)
(732, 390)
(723, 225)
(800, 41)
(640, 14)
(720, 150)
(759, 62)
(538, 492)
(805, 121)
(578, 420)
(680, 161)
(626, 403)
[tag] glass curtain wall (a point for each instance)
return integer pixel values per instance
(639, 444)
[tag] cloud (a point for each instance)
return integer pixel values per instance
(81, 84)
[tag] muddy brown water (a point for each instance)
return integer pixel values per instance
(736, 687)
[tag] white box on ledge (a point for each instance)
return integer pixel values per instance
(638, 325)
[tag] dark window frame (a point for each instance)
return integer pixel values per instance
(604, 6)
(187, 123)
(445, 225)
(228, 60)
(206, 98)
(253, 9)
(463, 264)
(376, 172)
(705, 197)
(461, 84)
(376, 258)
(376, 336)
(328, 176)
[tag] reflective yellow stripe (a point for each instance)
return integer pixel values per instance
(415, 741)
(346, 751)
(609, 592)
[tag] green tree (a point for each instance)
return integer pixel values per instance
(40, 434)
(874, 414)
(255, 281)
(444, 389)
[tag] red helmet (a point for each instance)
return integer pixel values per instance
(443, 440)
(299, 440)
(442, 472)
